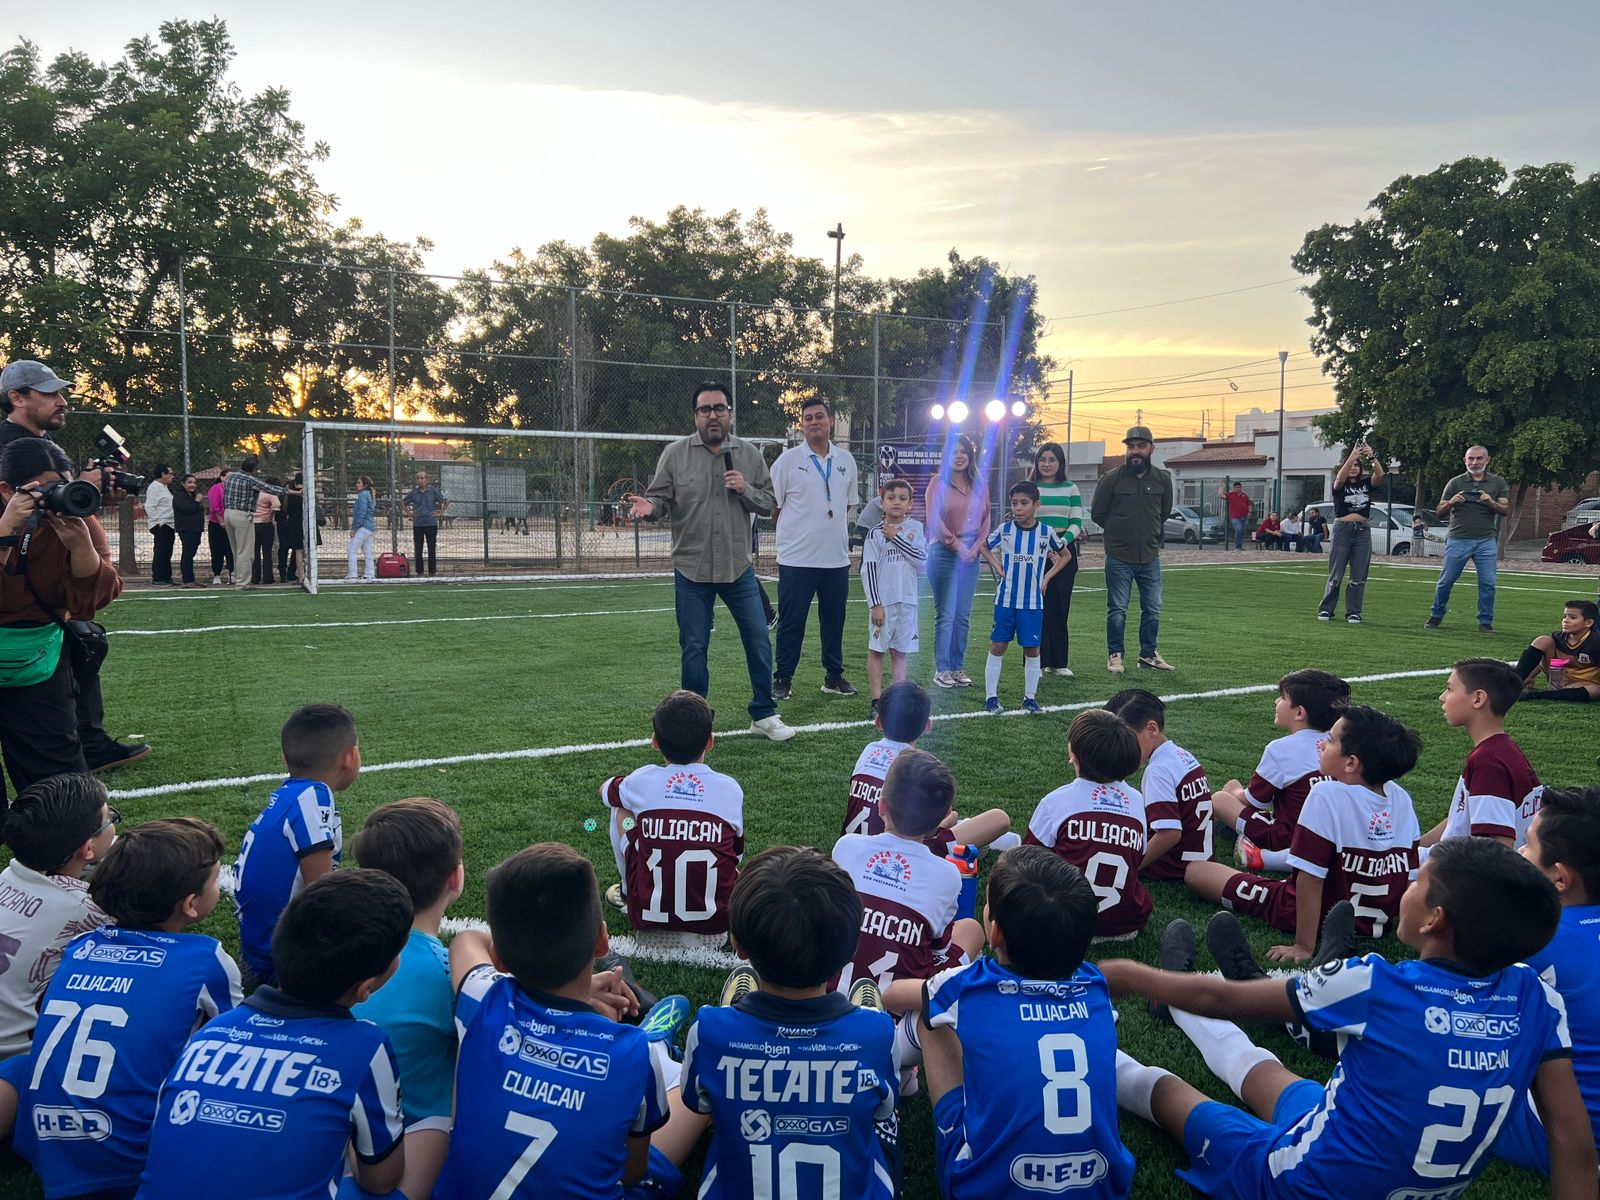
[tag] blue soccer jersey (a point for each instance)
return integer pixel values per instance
(266, 1098)
(548, 1092)
(1024, 559)
(795, 1088)
(1571, 965)
(1052, 1127)
(1434, 1062)
(112, 1022)
(300, 819)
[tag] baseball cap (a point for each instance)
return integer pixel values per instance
(27, 374)
(1139, 433)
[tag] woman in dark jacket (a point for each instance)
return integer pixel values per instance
(189, 519)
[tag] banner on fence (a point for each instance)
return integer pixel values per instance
(916, 462)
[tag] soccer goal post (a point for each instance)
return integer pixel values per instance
(459, 503)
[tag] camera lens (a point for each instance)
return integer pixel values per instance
(75, 499)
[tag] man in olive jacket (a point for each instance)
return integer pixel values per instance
(1131, 504)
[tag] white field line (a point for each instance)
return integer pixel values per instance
(536, 752)
(630, 948)
(1466, 581)
(614, 612)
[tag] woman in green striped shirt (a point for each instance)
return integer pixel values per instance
(1061, 508)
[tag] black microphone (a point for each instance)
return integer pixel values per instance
(727, 462)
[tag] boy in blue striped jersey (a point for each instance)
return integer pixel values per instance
(1023, 567)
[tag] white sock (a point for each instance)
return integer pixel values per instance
(1229, 1053)
(907, 1042)
(1136, 1084)
(1030, 677)
(991, 674)
(1275, 860)
(671, 1068)
(1009, 840)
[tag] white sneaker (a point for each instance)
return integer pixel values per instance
(350, 579)
(1114, 664)
(946, 679)
(773, 728)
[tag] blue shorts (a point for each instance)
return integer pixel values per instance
(1522, 1139)
(661, 1181)
(14, 1070)
(1025, 626)
(949, 1137)
(1228, 1147)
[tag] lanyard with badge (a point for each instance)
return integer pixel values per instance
(827, 475)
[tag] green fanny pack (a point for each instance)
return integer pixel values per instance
(28, 656)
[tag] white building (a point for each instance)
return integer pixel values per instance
(1251, 457)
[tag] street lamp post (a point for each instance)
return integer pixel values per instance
(1277, 492)
(837, 234)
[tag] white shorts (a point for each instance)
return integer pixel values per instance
(899, 631)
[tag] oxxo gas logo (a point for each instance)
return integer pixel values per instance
(1488, 1027)
(1058, 1172)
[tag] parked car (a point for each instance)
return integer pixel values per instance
(1571, 546)
(1584, 512)
(1391, 533)
(1184, 524)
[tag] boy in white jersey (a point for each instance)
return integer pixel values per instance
(1264, 813)
(1356, 840)
(1439, 1051)
(1498, 792)
(1023, 568)
(1174, 786)
(678, 829)
(891, 559)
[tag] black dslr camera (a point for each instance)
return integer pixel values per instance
(80, 498)
(113, 457)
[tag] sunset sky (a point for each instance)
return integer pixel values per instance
(1128, 156)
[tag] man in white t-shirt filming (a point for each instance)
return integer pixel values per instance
(814, 488)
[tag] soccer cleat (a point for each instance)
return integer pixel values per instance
(1322, 616)
(1114, 664)
(616, 899)
(1485, 627)
(864, 994)
(1177, 954)
(1338, 941)
(838, 685)
(613, 960)
(772, 728)
(992, 705)
(1226, 940)
(1432, 622)
(740, 983)
(1154, 662)
(962, 678)
(666, 1018)
(120, 754)
(944, 679)
(1248, 855)
(782, 689)
(1030, 705)
(1352, 618)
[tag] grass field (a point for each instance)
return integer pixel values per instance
(512, 702)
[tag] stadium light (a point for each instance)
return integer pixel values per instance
(937, 412)
(958, 412)
(1018, 408)
(995, 410)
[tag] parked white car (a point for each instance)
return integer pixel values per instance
(1391, 533)
(1584, 512)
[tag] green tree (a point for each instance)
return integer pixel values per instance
(1465, 307)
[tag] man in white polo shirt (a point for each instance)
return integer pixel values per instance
(815, 490)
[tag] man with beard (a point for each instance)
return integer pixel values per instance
(1474, 501)
(35, 402)
(709, 483)
(1131, 504)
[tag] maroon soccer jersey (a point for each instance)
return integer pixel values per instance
(866, 786)
(681, 855)
(1362, 845)
(1177, 792)
(1100, 829)
(1497, 794)
(908, 897)
(1290, 768)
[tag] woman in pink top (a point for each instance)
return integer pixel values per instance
(267, 506)
(222, 568)
(958, 522)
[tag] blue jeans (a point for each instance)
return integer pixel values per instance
(694, 602)
(1484, 553)
(1120, 578)
(954, 584)
(1238, 531)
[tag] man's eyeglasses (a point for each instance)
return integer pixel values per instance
(112, 818)
(713, 410)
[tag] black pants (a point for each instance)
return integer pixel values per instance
(796, 588)
(191, 544)
(430, 533)
(261, 569)
(1057, 604)
(39, 729)
(161, 561)
(283, 551)
(221, 548)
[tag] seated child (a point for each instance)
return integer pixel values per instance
(1174, 787)
(277, 1091)
(908, 892)
(902, 718)
(1097, 822)
(820, 1119)
(1497, 793)
(1577, 642)
(1564, 843)
(1024, 569)
(1356, 840)
(1035, 1005)
(298, 838)
(1264, 814)
(138, 988)
(891, 559)
(678, 829)
(1439, 1050)
(55, 830)
(547, 1081)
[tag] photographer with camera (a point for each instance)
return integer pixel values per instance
(54, 576)
(35, 402)
(1474, 501)
(1351, 544)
